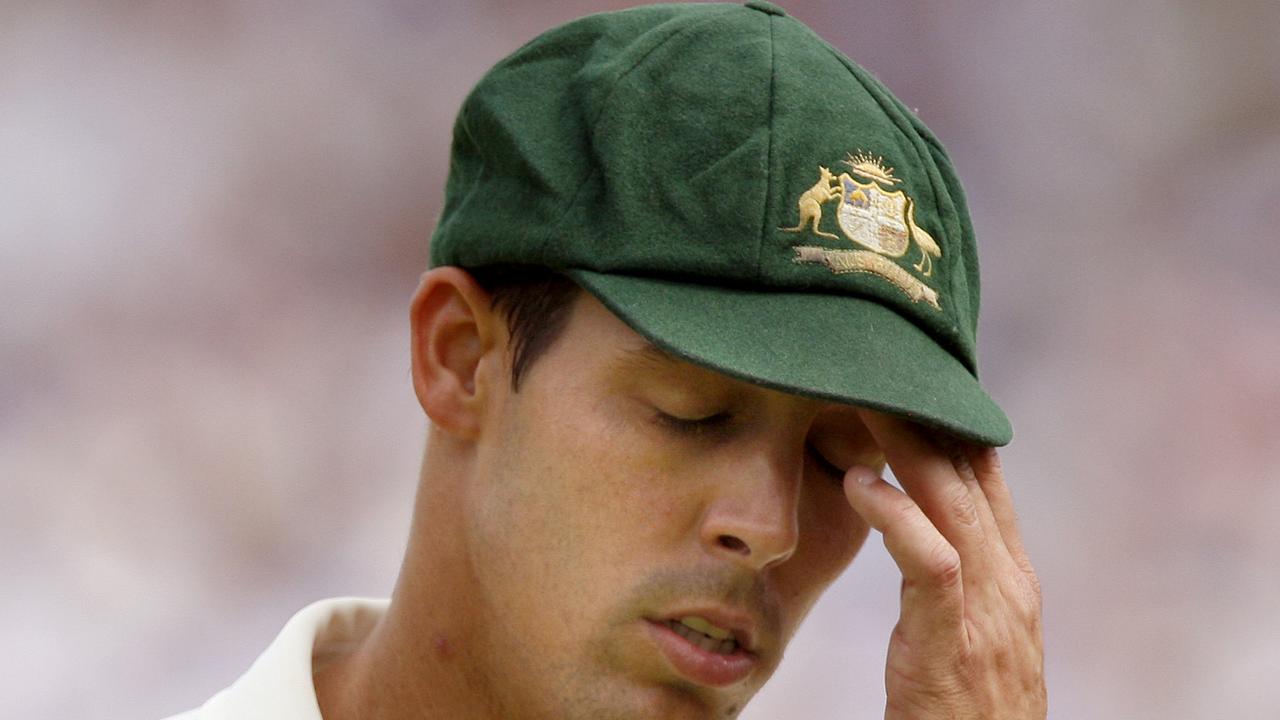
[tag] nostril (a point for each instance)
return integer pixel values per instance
(734, 544)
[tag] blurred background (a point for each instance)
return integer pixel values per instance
(213, 214)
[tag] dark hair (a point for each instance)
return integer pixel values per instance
(535, 302)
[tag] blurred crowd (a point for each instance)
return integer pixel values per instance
(212, 216)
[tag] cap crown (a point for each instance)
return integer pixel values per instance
(712, 144)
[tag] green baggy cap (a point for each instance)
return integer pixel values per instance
(738, 192)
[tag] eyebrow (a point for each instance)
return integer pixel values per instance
(651, 358)
(647, 359)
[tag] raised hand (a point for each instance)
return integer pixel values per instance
(968, 641)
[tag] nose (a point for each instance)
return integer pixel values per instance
(753, 517)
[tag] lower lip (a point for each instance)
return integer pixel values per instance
(702, 666)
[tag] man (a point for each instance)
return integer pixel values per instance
(697, 279)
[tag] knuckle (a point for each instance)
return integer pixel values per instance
(943, 565)
(962, 508)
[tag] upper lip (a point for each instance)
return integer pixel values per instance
(735, 621)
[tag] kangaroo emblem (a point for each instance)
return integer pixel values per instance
(811, 204)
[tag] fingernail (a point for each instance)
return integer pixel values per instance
(864, 475)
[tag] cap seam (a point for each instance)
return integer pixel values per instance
(770, 160)
(972, 294)
(894, 113)
(463, 127)
(591, 128)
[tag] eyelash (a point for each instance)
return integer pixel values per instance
(694, 427)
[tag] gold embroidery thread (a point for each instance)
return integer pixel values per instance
(872, 216)
(847, 261)
(928, 246)
(811, 204)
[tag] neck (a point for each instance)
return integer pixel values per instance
(420, 660)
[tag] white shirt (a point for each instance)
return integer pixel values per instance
(278, 685)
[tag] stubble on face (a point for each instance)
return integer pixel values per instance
(584, 524)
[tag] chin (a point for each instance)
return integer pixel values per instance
(616, 698)
(678, 702)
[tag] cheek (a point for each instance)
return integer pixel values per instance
(538, 546)
(634, 508)
(622, 477)
(582, 494)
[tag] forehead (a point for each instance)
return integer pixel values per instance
(595, 331)
(617, 349)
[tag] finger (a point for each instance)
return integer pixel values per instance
(928, 475)
(960, 453)
(932, 590)
(989, 474)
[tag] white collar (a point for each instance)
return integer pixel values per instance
(278, 686)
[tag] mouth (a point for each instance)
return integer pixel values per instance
(699, 631)
(703, 652)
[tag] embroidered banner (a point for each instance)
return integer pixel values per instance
(847, 261)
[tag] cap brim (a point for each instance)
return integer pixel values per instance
(834, 347)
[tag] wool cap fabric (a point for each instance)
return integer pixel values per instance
(741, 194)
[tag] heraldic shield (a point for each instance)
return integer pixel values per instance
(874, 218)
(883, 221)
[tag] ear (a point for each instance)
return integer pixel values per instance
(457, 343)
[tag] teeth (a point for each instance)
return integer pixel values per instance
(706, 628)
(702, 640)
(708, 644)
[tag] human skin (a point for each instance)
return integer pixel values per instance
(619, 487)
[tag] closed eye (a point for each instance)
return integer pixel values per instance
(693, 426)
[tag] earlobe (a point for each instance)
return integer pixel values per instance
(454, 331)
